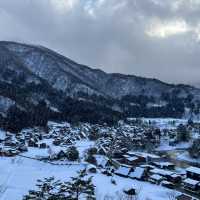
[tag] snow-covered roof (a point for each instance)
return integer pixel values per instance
(191, 181)
(138, 173)
(195, 170)
(147, 166)
(143, 154)
(123, 170)
(175, 175)
(156, 177)
(162, 172)
(166, 182)
(131, 158)
(164, 164)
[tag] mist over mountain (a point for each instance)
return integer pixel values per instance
(33, 74)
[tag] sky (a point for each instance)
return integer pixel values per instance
(150, 38)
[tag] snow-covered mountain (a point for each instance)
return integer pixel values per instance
(29, 73)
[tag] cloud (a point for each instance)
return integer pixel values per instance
(163, 29)
(152, 38)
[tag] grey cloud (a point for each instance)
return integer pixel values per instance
(109, 34)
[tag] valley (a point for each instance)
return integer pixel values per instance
(117, 157)
(69, 131)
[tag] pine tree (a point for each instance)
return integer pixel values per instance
(183, 135)
(48, 189)
(16, 119)
(91, 159)
(80, 186)
(72, 153)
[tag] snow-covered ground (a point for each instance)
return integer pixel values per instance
(186, 157)
(18, 175)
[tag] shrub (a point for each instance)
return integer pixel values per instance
(72, 153)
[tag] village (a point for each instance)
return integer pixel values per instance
(135, 149)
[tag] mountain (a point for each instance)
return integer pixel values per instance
(30, 74)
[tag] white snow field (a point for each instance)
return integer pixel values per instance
(18, 175)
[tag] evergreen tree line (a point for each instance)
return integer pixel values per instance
(93, 109)
(18, 118)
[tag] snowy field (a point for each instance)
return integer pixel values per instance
(18, 175)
